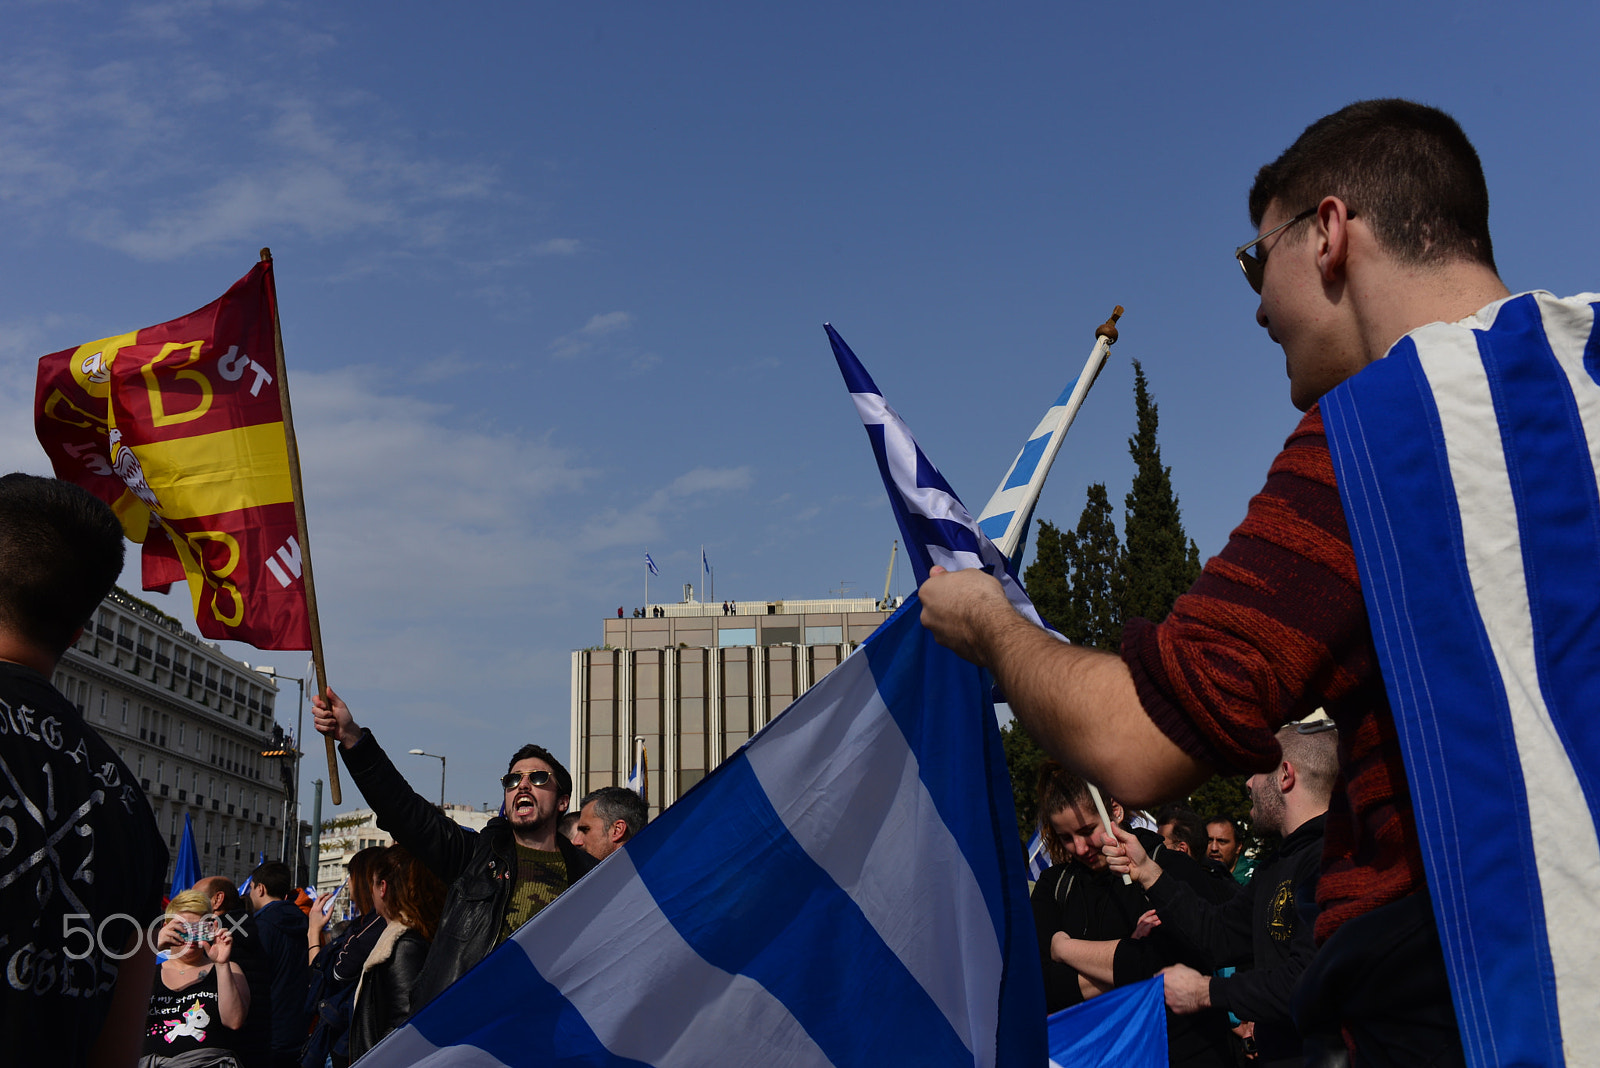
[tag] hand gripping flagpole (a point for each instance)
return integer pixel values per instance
(300, 527)
(1009, 513)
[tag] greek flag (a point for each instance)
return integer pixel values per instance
(846, 889)
(1125, 1027)
(1038, 859)
(1009, 513)
(651, 564)
(936, 526)
(1466, 462)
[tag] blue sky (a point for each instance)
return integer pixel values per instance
(553, 277)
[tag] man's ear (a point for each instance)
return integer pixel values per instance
(619, 830)
(1333, 237)
(562, 803)
(1286, 777)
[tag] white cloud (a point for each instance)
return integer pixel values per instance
(584, 339)
(558, 246)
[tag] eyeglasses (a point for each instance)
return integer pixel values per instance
(1254, 266)
(535, 778)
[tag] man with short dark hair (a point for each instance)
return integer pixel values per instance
(284, 933)
(1181, 830)
(500, 877)
(609, 817)
(81, 872)
(1376, 276)
(1264, 929)
(1225, 845)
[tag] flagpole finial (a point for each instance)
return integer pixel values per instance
(1107, 329)
(266, 255)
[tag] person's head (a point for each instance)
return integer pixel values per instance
(564, 829)
(359, 868)
(220, 893)
(193, 908)
(1375, 221)
(61, 551)
(610, 816)
(1300, 786)
(537, 789)
(1406, 168)
(1182, 830)
(406, 892)
(1223, 840)
(270, 882)
(1068, 821)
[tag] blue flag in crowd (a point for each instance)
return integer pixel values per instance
(1466, 462)
(1038, 859)
(847, 888)
(186, 871)
(1122, 1028)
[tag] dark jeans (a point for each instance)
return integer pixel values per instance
(1381, 979)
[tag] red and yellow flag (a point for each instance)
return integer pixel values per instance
(180, 428)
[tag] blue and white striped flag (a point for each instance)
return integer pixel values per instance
(936, 526)
(1466, 462)
(846, 889)
(651, 564)
(1007, 516)
(1038, 857)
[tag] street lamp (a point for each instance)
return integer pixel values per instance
(440, 759)
(299, 728)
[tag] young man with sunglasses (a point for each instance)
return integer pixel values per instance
(499, 877)
(1376, 276)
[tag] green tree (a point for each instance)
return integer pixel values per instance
(1023, 757)
(1046, 580)
(1159, 560)
(1095, 560)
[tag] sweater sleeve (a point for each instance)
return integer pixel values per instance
(1270, 628)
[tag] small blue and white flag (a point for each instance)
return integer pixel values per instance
(846, 889)
(651, 564)
(1038, 856)
(1466, 461)
(639, 777)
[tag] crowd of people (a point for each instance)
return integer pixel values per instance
(1371, 229)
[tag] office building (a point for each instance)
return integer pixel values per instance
(694, 682)
(194, 725)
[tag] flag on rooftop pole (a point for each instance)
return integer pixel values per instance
(186, 869)
(859, 850)
(639, 777)
(651, 564)
(1466, 463)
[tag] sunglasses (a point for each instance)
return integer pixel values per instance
(535, 778)
(1254, 266)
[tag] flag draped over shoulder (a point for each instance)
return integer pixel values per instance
(1466, 460)
(180, 428)
(847, 889)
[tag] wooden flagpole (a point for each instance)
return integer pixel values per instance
(300, 530)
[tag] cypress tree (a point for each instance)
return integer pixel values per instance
(1094, 557)
(1159, 560)
(1046, 580)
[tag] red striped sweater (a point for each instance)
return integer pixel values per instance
(1274, 627)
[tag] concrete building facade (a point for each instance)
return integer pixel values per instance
(350, 832)
(193, 725)
(695, 682)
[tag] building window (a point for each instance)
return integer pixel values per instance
(124, 711)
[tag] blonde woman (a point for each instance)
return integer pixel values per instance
(200, 997)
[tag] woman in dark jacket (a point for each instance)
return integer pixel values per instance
(336, 966)
(409, 897)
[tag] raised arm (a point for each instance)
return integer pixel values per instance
(416, 823)
(1079, 703)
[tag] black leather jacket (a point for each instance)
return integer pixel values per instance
(384, 1000)
(479, 867)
